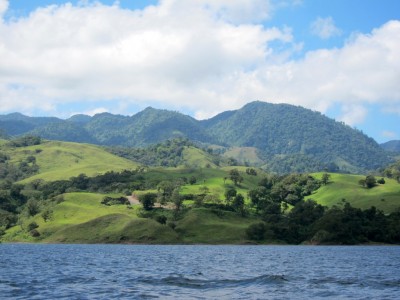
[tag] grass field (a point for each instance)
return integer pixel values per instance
(344, 186)
(205, 226)
(195, 157)
(62, 160)
(244, 154)
(81, 218)
(75, 209)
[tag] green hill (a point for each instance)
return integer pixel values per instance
(62, 160)
(385, 197)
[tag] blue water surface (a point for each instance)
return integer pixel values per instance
(38, 271)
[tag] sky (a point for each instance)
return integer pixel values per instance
(203, 57)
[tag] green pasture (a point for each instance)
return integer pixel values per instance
(62, 160)
(385, 197)
(202, 225)
(75, 209)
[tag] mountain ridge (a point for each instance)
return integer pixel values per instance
(288, 138)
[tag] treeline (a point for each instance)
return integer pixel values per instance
(166, 154)
(169, 153)
(393, 171)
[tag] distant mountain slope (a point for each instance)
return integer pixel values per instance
(393, 146)
(285, 138)
(283, 132)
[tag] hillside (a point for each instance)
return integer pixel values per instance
(291, 135)
(62, 160)
(392, 146)
(279, 137)
(385, 197)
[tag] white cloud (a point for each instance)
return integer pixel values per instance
(325, 28)
(389, 134)
(196, 55)
(91, 112)
(353, 114)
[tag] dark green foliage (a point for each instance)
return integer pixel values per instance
(115, 201)
(235, 176)
(284, 130)
(325, 178)
(31, 226)
(148, 200)
(17, 171)
(230, 193)
(369, 181)
(28, 140)
(238, 204)
(161, 219)
(166, 154)
(381, 181)
(393, 171)
(192, 180)
(34, 233)
(32, 207)
(251, 171)
(256, 231)
(47, 215)
(7, 219)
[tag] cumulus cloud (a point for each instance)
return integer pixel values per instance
(325, 28)
(3, 6)
(200, 55)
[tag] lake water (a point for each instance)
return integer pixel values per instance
(30, 271)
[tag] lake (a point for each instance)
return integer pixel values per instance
(38, 271)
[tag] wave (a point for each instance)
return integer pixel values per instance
(194, 283)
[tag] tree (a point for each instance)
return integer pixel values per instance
(238, 203)
(47, 215)
(177, 200)
(148, 200)
(256, 231)
(325, 178)
(192, 180)
(230, 193)
(165, 189)
(251, 171)
(235, 176)
(370, 181)
(259, 197)
(32, 207)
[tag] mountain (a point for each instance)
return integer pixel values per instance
(278, 137)
(392, 146)
(292, 135)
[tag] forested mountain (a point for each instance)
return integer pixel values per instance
(392, 146)
(287, 138)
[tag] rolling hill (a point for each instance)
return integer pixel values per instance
(385, 197)
(62, 160)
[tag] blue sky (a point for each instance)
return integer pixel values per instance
(202, 57)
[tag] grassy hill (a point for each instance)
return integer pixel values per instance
(81, 218)
(62, 160)
(344, 186)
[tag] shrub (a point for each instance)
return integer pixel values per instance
(161, 219)
(32, 226)
(256, 231)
